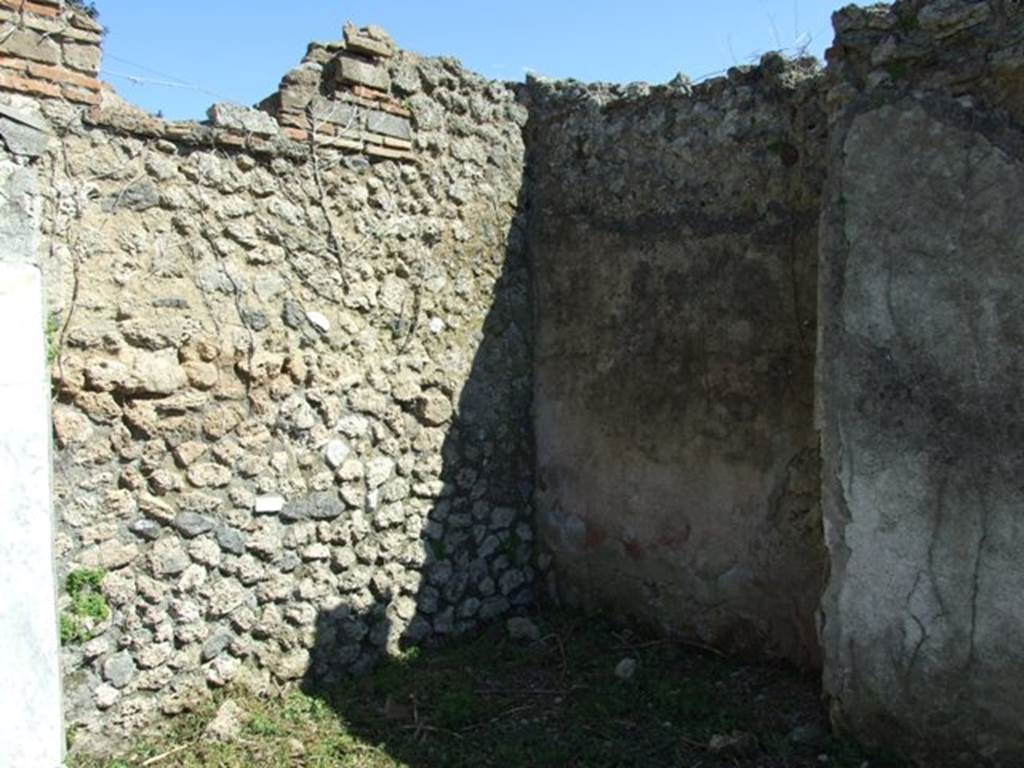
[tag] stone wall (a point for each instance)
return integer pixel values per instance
(920, 380)
(291, 392)
(674, 240)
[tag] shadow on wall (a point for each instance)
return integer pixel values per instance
(476, 541)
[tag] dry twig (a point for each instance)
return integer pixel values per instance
(164, 755)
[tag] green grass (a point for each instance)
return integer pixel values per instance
(50, 332)
(908, 22)
(88, 606)
(898, 70)
(488, 701)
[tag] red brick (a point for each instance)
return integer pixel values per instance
(229, 139)
(37, 8)
(395, 109)
(9, 62)
(292, 119)
(24, 85)
(386, 152)
(369, 93)
(80, 95)
(47, 72)
(296, 134)
(328, 141)
(256, 144)
(390, 105)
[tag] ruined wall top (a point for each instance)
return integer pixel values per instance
(49, 50)
(343, 95)
(967, 49)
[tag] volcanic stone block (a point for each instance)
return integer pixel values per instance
(352, 70)
(365, 42)
(388, 124)
(31, 45)
(82, 57)
(337, 112)
(242, 119)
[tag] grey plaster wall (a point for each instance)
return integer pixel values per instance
(922, 320)
(673, 238)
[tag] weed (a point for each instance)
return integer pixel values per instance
(88, 8)
(72, 631)
(457, 707)
(489, 702)
(50, 331)
(261, 725)
(88, 606)
(437, 549)
(511, 546)
(897, 70)
(907, 22)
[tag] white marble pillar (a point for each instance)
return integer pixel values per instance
(31, 722)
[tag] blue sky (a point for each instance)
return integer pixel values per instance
(179, 56)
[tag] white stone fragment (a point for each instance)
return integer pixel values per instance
(268, 505)
(319, 321)
(336, 452)
(625, 669)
